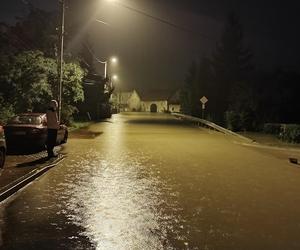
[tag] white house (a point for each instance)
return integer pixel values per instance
(151, 102)
(126, 101)
(174, 102)
(155, 106)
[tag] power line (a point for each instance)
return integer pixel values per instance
(102, 22)
(166, 22)
(92, 54)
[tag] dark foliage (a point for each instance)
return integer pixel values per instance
(240, 97)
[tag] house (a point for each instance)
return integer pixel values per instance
(126, 101)
(174, 102)
(155, 101)
(159, 101)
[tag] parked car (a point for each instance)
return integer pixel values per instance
(29, 130)
(2, 147)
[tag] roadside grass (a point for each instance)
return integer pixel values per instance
(268, 139)
(79, 124)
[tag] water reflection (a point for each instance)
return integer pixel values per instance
(117, 203)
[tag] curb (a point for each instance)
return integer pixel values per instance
(210, 125)
(16, 185)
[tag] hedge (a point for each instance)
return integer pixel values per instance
(285, 132)
(290, 133)
(272, 128)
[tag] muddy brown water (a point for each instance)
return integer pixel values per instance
(148, 181)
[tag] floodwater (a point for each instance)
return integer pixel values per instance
(149, 181)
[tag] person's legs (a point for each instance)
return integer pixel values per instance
(51, 141)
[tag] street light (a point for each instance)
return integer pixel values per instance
(115, 77)
(112, 60)
(61, 57)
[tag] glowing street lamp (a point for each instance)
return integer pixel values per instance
(115, 77)
(113, 60)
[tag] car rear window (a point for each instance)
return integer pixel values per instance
(26, 119)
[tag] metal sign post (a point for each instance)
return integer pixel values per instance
(203, 100)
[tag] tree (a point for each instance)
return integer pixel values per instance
(188, 88)
(29, 81)
(242, 110)
(197, 84)
(6, 110)
(72, 89)
(278, 96)
(231, 63)
(36, 31)
(26, 81)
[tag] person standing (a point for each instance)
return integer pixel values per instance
(52, 127)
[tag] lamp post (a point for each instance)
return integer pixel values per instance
(113, 60)
(61, 57)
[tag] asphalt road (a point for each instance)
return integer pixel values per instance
(142, 181)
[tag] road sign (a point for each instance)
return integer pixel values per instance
(203, 100)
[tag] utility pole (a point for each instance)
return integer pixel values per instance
(61, 56)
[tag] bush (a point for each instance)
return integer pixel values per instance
(272, 128)
(290, 133)
(248, 121)
(243, 120)
(6, 111)
(232, 120)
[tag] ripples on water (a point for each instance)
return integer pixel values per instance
(118, 202)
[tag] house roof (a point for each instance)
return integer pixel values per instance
(173, 97)
(124, 96)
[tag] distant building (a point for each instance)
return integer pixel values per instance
(126, 101)
(151, 102)
(155, 101)
(174, 102)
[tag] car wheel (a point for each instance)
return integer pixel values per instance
(65, 137)
(2, 157)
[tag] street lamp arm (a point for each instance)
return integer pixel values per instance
(99, 61)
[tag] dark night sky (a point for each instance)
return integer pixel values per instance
(153, 55)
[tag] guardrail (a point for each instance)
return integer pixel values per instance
(208, 124)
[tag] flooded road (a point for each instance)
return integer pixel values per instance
(142, 181)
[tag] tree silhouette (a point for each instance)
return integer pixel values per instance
(231, 64)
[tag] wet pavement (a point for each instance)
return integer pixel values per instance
(142, 181)
(19, 164)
